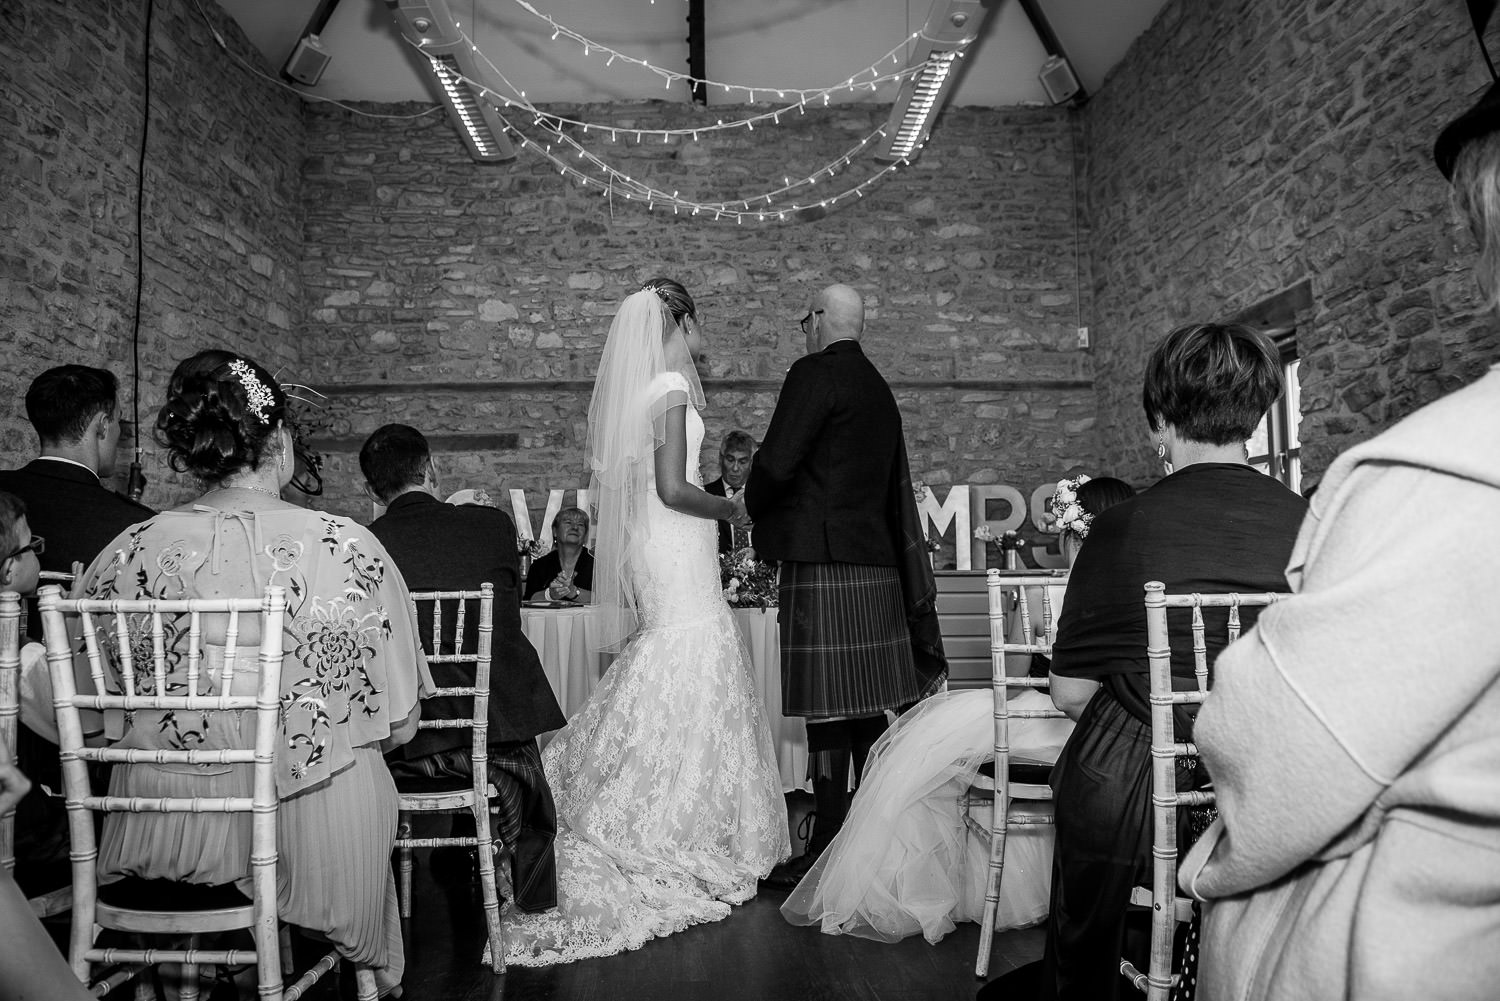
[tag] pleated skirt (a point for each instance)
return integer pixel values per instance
(334, 845)
(845, 647)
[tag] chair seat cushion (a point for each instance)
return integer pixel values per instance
(169, 895)
(410, 785)
(1021, 772)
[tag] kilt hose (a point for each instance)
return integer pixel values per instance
(845, 647)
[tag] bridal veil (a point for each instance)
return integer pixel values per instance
(624, 429)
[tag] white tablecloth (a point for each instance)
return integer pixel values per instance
(561, 638)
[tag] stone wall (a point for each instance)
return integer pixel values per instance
(1243, 147)
(221, 208)
(474, 299)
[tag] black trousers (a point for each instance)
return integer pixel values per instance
(524, 816)
(1102, 791)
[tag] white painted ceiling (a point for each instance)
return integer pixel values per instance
(760, 43)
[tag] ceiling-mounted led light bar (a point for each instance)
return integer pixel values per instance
(951, 26)
(430, 25)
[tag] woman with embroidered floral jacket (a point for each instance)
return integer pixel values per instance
(350, 680)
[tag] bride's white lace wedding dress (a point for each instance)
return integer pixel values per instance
(669, 801)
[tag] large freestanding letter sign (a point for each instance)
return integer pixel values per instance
(952, 511)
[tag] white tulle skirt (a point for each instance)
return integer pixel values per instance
(669, 801)
(905, 862)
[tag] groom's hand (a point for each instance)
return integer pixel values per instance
(738, 517)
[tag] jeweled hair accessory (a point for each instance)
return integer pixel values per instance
(1066, 514)
(257, 393)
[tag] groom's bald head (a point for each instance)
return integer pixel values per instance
(841, 314)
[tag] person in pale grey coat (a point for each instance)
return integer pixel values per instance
(1354, 735)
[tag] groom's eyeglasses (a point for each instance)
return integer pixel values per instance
(806, 321)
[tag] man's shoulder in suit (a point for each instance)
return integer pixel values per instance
(49, 478)
(715, 487)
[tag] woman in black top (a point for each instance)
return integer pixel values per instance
(1213, 524)
(567, 572)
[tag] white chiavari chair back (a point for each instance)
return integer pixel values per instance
(449, 795)
(1168, 908)
(138, 678)
(1019, 630)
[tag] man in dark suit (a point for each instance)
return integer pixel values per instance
(439, 546)
(734, 469)
(830, 496)
(73, 409)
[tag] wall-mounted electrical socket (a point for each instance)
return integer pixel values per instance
(1083, 337)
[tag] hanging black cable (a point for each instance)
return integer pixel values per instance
(135, 483)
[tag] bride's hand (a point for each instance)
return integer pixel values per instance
(738, 517)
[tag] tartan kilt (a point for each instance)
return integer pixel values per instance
(845, 648)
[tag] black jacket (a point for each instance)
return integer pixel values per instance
(440, 546)
(820, 483)
(77, 515)
(546, 567)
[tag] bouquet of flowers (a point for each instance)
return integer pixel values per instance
(1008, 541)
(747, 581)
(529, 549)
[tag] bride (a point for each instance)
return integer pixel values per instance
(669, 804)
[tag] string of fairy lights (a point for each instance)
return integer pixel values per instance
(575, 162)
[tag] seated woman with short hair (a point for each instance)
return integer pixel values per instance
(1213, 523)
(567, 572)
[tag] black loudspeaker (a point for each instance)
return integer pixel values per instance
(307, 61)
(1058, 80)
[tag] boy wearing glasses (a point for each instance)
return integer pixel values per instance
(41, 823)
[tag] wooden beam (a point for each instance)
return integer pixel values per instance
(697, 59)
(712, 385)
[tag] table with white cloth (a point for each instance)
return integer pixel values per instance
(562, 637)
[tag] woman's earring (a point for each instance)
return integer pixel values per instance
(1161, 453)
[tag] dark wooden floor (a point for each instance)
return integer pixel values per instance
(753, 954)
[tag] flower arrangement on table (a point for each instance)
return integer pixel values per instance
(529, 549)
(747, 582)
(1007, 542)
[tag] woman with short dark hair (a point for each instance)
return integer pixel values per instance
(1212, 524)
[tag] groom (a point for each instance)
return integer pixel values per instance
(831, 499)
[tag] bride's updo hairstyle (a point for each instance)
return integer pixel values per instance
(221, 413)
(673, 296)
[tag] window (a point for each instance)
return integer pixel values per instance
(1276, 447)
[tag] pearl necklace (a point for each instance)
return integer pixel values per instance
(253, 488)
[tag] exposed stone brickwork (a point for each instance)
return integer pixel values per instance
(222, 216)
(499, 282)
(1243, 147)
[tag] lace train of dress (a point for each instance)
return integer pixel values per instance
(669, 801)
(905, 863)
